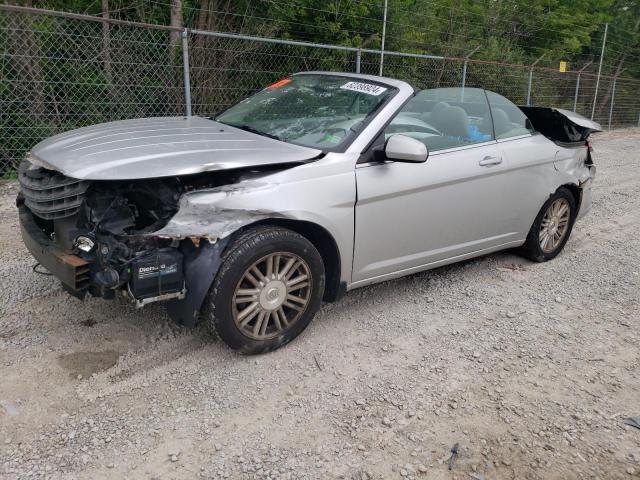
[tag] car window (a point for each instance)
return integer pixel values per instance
(319, 111)
(508, 120)
(444, 118)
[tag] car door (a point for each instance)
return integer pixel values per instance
(530, 162)
(410, 216)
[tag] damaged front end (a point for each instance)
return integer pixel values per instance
(107, 237)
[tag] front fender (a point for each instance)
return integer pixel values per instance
(322, 193)
(313, 193)
(208, 227)
(207, 213)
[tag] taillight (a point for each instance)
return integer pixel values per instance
(588, 161)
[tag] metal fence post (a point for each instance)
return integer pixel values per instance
(464, 77)
(531, 79)
(529, 87)
(464, 71)
(358, 58)
(613, 96)
(185, 72)
(384, 34)
(595, 93)
(575, 95)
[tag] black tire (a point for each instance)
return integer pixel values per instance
(532, 248)
(243, 252)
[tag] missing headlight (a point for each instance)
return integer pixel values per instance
(84, 243)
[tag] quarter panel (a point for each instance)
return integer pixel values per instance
(537, 167)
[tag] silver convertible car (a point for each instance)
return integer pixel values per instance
(316, 185)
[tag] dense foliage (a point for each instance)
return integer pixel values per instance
(59, 73)
(514, 31)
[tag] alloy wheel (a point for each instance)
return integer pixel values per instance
(272, 295)
(555, 225)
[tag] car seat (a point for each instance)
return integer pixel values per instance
(432, 116)
(501, 122)
(453, 122)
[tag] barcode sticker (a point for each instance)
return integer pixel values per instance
(367, 88)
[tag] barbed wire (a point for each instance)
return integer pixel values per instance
(534, 33)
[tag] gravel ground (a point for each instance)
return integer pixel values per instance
(530, 369)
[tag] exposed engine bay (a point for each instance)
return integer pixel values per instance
(103, 231)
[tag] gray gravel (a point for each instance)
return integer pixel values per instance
(530, 368)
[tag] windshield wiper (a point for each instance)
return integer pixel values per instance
(248, 128)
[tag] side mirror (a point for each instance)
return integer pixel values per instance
(402, 148)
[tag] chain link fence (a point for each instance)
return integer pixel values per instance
(62, 71)
(59, 73)
(224, 67)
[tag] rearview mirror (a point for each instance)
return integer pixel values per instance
(401, 148)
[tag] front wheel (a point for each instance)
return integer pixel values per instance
(551, 228)
(267, 291)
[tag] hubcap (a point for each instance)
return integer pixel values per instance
(272, 295)
(555, 225)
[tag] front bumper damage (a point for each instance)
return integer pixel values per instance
(146, 241)
(201, 260)
(71, 270)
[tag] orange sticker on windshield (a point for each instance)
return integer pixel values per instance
(280, 83)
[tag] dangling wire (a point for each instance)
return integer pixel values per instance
(158, 267)
(40, 272)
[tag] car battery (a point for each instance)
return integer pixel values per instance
(158, 273)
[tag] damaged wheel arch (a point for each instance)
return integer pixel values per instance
(202, 260)
(324, 243)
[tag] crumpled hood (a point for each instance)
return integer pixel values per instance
(160, 147)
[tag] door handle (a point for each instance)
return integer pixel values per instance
(489, 161)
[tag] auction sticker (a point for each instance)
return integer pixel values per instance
(367, 88)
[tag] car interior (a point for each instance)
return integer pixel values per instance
(448, 117)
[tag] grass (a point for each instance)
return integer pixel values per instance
(9, 175)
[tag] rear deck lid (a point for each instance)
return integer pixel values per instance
(561, 125)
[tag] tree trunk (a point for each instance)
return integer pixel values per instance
(176, 22)
(605, 100)
(106, 46)
(445, 51)
(175, 37)
(23, 42)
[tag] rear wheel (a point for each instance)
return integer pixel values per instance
(551, 228)
(267, 291)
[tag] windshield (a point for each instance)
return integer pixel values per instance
(319, 111)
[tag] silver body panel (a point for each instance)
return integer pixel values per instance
(321, 192)
(388, 219)
(418, 200)
(579, 119)
(161, 147)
